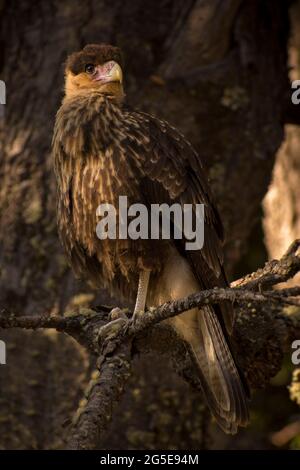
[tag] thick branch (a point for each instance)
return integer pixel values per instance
(133, 327)
(104, 390)
(111, 340)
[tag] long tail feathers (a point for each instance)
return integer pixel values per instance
(221, 383)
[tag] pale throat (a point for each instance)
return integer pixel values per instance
(77, 86)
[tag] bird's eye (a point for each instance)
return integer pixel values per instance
(90, 68)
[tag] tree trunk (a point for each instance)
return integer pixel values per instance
(217, 70)
(282, 201)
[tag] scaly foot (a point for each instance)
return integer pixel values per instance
(117, 320)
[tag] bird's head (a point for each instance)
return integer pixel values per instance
(97, 67)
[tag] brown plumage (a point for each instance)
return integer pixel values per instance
(103, 150)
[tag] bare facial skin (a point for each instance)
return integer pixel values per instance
(105, 78)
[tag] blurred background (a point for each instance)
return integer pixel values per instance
(219, 70)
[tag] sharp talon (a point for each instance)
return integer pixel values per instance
(118, 313)
(111, 329)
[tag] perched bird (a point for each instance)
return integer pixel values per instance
(102, 150)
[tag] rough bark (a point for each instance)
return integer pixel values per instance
(116, 340)
(207, 62)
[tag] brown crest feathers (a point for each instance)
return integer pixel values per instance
(93, 54)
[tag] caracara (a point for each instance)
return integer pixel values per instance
(103, 150)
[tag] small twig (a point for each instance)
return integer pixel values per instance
(10, 320)
(274, 271)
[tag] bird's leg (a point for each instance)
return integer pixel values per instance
(118, 316)
(142, 292)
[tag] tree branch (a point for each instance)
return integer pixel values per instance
(111, 341)
(103, 392)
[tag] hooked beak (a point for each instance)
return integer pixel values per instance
(108, 72)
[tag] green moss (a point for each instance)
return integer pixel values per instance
(235, 98)
(33, 212)
(136, 392)
(137, 437)
(295, 386)
(217, 172)
(291, 310)
(87, 312)
(30, 412)
(82, 299)
(50, 284)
